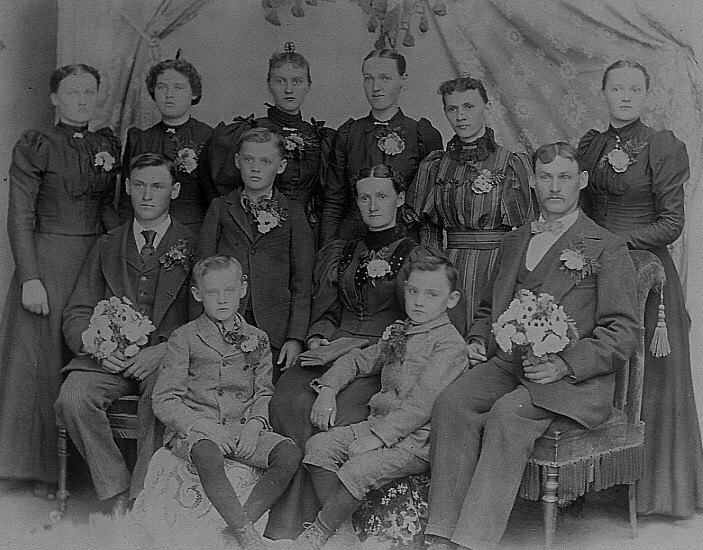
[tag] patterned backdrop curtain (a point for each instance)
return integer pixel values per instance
(542, 62)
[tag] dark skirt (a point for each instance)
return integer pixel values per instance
(33, 353)
(672, 484)
(289, 412)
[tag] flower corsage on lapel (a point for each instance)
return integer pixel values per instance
(393, 342)
(375, 264)
(104, 160)
(577, 263)
(267, 213)
(623, 155)
(390, 140)
(251, 344)
(534, 323)
(178, 254)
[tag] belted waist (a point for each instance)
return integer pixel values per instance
(479, 239)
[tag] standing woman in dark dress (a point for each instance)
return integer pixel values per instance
(175, 86)
(62, 184)
(476, 190)
(308, 144)
(349, 299)
(636, 190)
(384, 136)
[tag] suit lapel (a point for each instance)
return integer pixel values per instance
(283, 203)
(235, 210)
(115, 265)
(514, 246)
(211, 336)
(170, 280)
(557, 281)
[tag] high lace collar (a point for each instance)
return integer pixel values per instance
(475, 151)
(71, 128)
(166, 127)
(627, 131)
(375, 240)
(286, 120)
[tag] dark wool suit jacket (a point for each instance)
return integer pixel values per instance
(278, 264)
(105, 274)
(604, 307)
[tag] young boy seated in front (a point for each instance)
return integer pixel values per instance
(213, 393)
(271, 237)
(417, 359)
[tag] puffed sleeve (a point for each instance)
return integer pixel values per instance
(326, 136)
(589, 153)
(29, 160)
(219, 172)
(668, 161)
(326, 310)
(108, 212)
(421, 198)
(337, 188)
(518, 205)
(428, 138)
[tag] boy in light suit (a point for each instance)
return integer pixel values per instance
(129, 261)
(486, 422)
(213, 394)
(417, 359)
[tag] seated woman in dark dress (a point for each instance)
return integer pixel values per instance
(349, 299)
(308, 144)
(636, 178)
(384, 136)
(175, 86)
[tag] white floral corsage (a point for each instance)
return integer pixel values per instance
(486, 181)
(178, 254)
(577, 262)
(624, 154)
(186, 160)
(267, 213)
(376, 264)
(391, 141)
(294, 144)
(105, 160)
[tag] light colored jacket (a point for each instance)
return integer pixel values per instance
(400, 413)
(204, 377)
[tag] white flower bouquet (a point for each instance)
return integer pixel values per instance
(116, 327)
(534, 322)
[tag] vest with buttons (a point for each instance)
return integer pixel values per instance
(144, 280)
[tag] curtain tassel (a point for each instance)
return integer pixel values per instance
(660, 341)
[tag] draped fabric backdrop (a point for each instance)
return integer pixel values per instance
(542, 63)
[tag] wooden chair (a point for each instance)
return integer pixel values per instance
(122, 415)
(570, 460)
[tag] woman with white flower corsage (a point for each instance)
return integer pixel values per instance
(476, 190)
(384, 136)
(175, 86)
(358, 290)
(636, 190)
(62, 185)
(308, 144)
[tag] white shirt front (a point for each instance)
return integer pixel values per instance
(542, 242)
(161, 229)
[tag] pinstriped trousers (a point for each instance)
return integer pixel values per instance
(83, 401)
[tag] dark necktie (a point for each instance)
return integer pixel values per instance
(148, 249)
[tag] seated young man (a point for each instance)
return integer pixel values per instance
(485, 424)
(126, 262)
(417, 359)
(213, 396)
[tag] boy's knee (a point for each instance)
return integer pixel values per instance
(286, 455)
(206, 455)
(317, 445)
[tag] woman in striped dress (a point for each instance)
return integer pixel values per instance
(476, 190)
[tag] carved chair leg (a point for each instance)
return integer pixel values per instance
(632, 497)
(62, 493)
(549, 500)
